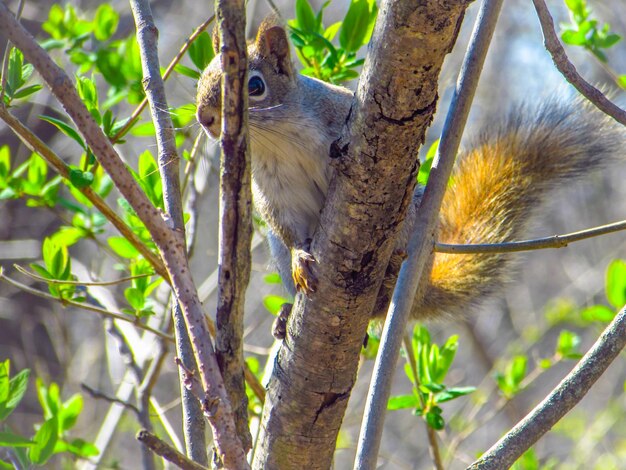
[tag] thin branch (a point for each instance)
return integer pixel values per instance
(166, 451)
(85, 306)
(560, 401)
(562, 63)
(103, 396)
(181, 53)
(554, 241)
(32, 275)
(38, 146)
(235, 210)
(169, 169)
(422, 240)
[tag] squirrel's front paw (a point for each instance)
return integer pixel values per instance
(303, 277)
(279, 327)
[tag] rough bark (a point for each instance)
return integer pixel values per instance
(234, 256)
(375, 167)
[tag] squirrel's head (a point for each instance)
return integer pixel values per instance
(271, 77)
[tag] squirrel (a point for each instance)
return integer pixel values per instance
(495, 188)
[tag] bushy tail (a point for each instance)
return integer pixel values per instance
(498, 186)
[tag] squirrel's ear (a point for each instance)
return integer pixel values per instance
(215, 38)
(272, 44)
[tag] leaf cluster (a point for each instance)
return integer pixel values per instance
(315, 44)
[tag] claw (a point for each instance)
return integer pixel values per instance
(303, 277)
(279, 327)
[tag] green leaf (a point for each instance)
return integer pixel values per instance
(55, 257)
(616, 283)
(567, 345)
(123, 247)
(66, 129)
(306, 17)
(17, 389)
(332, 30)
(135, 297)
(37, 171)
(435, 420)
(517, 370)
(273, 303)
(81, 179)
(358, 24)
(201, 51)
(105, 22)
(70, 410)
(5, 162)
(600, 313)
(187, 72)
(621, 81)
(452, 393)
(14, 73)
(4, 389)
(8, 439)
(83, 448)
(272, 278)
(403, 401)
(45, 440)
(29, 90)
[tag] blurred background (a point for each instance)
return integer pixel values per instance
(71, 347)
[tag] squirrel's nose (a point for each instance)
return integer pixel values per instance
(209, 119)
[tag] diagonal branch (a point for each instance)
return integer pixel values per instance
(560, 401)
(562, 63)
(420, 248)
(170, 242)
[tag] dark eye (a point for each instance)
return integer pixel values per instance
(256, 86)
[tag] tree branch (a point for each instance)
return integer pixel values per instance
(372, 186)
(562, 63)
(234, 256)
(560, 401)
(168, 158)
(170, 242)
(555, 241)
(166, 451)
(420, 248)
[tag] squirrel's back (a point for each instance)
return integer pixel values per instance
(498, 185)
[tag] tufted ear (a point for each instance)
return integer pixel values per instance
(272, 44)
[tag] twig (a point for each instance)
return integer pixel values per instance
(166, 451)
(422, 240)
(135, 115)
(38, 146)
(554, 241)
(560, 401)
(562, 63)
(169, 170)
(234, 256)
(32, 275)
(103, 396)
(85, 306)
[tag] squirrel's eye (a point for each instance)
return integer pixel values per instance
(256, 86)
